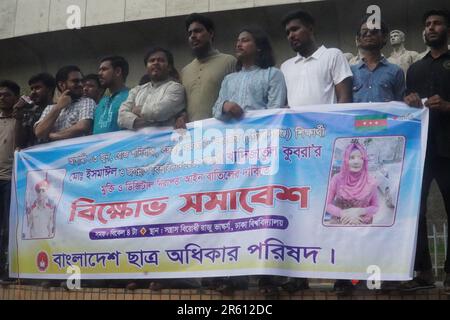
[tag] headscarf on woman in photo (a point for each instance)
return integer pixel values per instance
(352, 196)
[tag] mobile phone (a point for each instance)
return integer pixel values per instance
(27, 99)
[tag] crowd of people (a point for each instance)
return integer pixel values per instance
(223, 86)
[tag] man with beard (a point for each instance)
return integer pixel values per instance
(72, 115)
(428, 84)
(157, 102)
(202, 79)
(316, 75)
(374, 78)
(42, 87)
(113, 72)
(203, 76)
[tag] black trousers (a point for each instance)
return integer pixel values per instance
(5, 198)
(436, 167)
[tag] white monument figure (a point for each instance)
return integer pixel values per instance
(400, 56)
(355, 59)
(423, 54)
(349, 56)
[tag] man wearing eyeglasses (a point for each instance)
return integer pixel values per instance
(374, 78)
(41, 215)
(72, 115)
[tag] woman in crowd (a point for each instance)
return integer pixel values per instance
(257, 84)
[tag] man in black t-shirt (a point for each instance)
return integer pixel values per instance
(42, 89)
(428, 84)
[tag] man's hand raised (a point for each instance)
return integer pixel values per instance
(64, 100)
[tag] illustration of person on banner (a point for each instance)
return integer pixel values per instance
(41, 215)
(352, 194)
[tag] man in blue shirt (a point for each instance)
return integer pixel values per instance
(374, 78)
(113, 72)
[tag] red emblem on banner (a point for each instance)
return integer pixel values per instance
(42, 261)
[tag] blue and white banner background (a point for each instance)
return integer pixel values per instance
(237, 198)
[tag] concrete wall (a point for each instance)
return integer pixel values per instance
(25, 17)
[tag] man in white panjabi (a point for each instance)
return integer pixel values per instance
(400, 56)
(41, 213)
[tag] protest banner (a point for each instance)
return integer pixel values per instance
(321, 192)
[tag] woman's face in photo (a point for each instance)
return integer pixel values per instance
(356, 161)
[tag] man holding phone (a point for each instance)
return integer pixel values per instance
(28, 110)
(72, 115)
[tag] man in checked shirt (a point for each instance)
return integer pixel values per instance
(72, 115)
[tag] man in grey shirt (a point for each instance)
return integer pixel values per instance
(203, 76)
